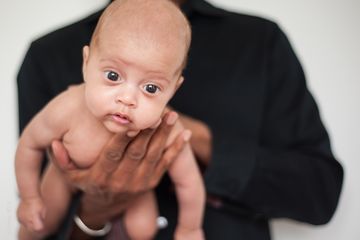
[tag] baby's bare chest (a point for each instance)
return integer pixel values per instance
(84, 142)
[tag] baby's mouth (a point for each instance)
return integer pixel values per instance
(121, 118)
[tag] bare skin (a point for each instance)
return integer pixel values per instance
(109, 196)
(103, 190)
(92, 207)
(123, 160)
(121, 174)
(201, 138)
(131, 69)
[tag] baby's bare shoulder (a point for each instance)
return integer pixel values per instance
(71, 98)
(75, 92)
(62, 107)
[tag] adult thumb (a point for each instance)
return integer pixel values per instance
(60, 157)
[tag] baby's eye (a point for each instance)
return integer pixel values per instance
(112, 76)
(151, 88)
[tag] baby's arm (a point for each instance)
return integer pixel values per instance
(190, 192)
(47, 125)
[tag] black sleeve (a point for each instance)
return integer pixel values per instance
(33, 87)
(289, 170)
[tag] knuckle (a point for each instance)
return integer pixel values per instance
(136, 154)
(113, 156)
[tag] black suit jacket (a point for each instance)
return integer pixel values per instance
(271, 153)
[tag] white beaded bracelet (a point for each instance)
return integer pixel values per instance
(91, 232)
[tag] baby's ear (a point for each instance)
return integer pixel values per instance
(85, 60)
(179, 82)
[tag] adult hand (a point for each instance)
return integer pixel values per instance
(127, 166)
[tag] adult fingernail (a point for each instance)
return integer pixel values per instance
(172, 118)
(187, 135)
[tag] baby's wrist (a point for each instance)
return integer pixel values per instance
(92, 220)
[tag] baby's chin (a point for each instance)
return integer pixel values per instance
(123, 129)
(132, 132)
(131, 129)
(117, 128)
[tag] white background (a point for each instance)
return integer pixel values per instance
(324, 33)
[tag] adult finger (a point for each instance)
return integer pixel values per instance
(133, 171)
(112, 153)
(130, 163)
(138, 147)
(145, 176)
(158, 141)
(60, 157)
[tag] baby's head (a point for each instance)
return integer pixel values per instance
(134, 63)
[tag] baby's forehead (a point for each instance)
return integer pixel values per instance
(156, 24)
(156, 20)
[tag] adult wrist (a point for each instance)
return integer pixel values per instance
(90, 231)
(89, 220)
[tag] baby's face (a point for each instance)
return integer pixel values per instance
(130, 79)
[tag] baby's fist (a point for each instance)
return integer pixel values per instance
(31, 214)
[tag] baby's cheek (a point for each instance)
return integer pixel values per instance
(148, 117)
(97, 105)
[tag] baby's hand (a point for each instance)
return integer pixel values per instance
(189, 234)
(31, 214)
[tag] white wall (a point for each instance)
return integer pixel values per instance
(20, 22)
(325, 35)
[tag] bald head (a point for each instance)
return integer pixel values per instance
(160, 22)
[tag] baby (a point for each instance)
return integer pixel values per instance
(131, 69)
